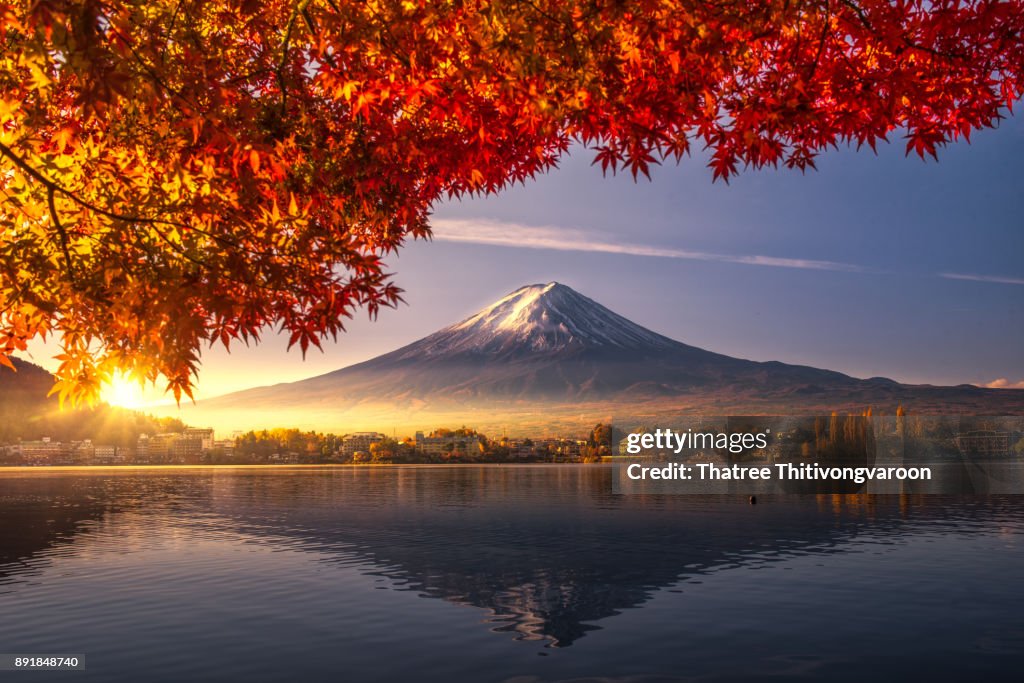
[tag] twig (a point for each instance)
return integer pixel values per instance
(62, 233)
(299, 9)
(53, 187)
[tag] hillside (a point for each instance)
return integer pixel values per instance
(547, 357)
(27, 414)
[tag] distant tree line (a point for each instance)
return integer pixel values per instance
(103, 424)
(311, 447)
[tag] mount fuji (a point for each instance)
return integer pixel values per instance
(545, 351)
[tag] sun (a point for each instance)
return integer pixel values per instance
(122, 391)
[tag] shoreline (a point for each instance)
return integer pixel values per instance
(78, 468)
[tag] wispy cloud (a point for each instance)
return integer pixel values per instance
(569, 239)
(983, 278)
(1003, 383)
(505, 234)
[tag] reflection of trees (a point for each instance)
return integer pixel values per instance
(37, 517)
(548, 551)
(49, 512)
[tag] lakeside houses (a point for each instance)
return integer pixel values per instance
(109, 455)
(359, 443)
(174, 448)
(205, 437)
(168, 449)
(984, 443)
(451, 444)
(192, 446)
(46, 451)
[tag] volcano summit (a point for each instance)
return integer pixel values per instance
(545, 351)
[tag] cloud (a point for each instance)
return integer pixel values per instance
(983, 278)
(503, 234)
(1003, 383)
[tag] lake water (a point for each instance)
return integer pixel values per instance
(498, 573)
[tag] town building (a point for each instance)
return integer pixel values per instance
(359, 442)
(444, 445)
(205, 437)
(984, 443)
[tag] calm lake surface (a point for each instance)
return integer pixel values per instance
(497, 573)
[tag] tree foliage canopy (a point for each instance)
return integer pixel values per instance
(183, 172)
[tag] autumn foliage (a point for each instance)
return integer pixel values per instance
(182, 172)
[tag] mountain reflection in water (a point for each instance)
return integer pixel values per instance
(549, 552)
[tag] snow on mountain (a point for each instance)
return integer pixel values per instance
(546, 344)
(539, 318)
(540, 341)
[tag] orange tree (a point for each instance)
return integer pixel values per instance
(176, 173)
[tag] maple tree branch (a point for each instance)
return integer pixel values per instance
(151, 72)
(567, 29)
(860, 14)
(61, 232)
(53, 187)
(308, 19)
(299, 9)
(824, 35)
(859, 11)
(387, 38)
(19, 287)
(170, 27)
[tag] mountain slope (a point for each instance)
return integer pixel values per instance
(540, 342)
(545, 349)
(539, 319)
(28, 413)
(24, 389)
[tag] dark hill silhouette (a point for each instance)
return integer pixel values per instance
(27, 413)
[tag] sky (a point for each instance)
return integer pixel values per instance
(873, 265)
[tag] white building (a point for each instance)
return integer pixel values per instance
(359, 442)
(205, 437)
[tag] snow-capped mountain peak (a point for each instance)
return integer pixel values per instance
(543, 352)
(541, 318)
